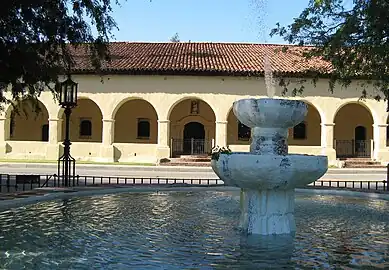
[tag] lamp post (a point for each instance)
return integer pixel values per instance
(67, 100)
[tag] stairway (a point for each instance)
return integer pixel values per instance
(362, 163)
(188, 160)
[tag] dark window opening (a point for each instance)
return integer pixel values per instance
(244, 132)
(143, 129)
(85, 128)
(11, 127)
(45, 133)
(300, 132)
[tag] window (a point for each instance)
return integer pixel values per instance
(45, 133)
(143, 131)
(85, 128)
(244, 132)
(300, 132)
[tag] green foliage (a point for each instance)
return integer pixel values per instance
(216, 151)
(352, 35)
(35, 38)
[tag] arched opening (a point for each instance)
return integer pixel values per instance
(194, 134)
(136, 121)
(353, 131)
(86, 122)
(307, 133)
(192, 127)
(30, 122)
(237, 133)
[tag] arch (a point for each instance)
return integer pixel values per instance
(192, 110)
(357, 103)
(312, 123)
(136, 121)
(308, 132)
(351, 120)
(86, 122)
(185, 99)
(27, 121)
(125, 100)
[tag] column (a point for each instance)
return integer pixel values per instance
(53, 147)
(163, 133)
(107, 148)
(163, 149)
(221, 133)
(55, 127)
(327, 135)
(327, 142)
(3, 130)
(108, 131)
(379, 137)
(4, 135)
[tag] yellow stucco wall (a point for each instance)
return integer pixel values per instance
(115, 105)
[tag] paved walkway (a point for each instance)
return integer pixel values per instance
(357, 174)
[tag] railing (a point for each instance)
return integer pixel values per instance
(16, 183)
(357, 185)
(353, 148)
(190, 146)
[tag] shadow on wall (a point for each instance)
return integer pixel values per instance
(117, 154)
(8, 148)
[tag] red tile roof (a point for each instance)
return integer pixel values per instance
(187, 58)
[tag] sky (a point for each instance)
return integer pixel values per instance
(247, 21)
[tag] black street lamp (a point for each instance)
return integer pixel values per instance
(67, 100)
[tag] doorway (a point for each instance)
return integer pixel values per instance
(194, 138)
(362, 145)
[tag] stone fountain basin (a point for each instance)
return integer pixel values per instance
(251, 171)
(270, 112)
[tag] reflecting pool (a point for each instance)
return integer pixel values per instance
(191, 230)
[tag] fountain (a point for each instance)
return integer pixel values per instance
(268, 175)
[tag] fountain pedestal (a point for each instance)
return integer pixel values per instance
(267, 174)
(267, 211)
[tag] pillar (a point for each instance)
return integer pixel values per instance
(55, 128)
(221, 133)
(327, 142)
(53, 149)
(4, 135)
(163, 149)
(108, 131)
(379, 137)
(107, 150)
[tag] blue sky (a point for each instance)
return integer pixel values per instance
(204, 20)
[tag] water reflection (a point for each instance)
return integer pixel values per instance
(190, 230)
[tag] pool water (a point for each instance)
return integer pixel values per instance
(191, 230)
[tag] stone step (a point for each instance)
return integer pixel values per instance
(370, 164)
(194, 156)
(191, 159)
(190, 164)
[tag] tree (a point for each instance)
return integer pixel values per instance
(352, 37)
(39, 39)
(175, 38)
